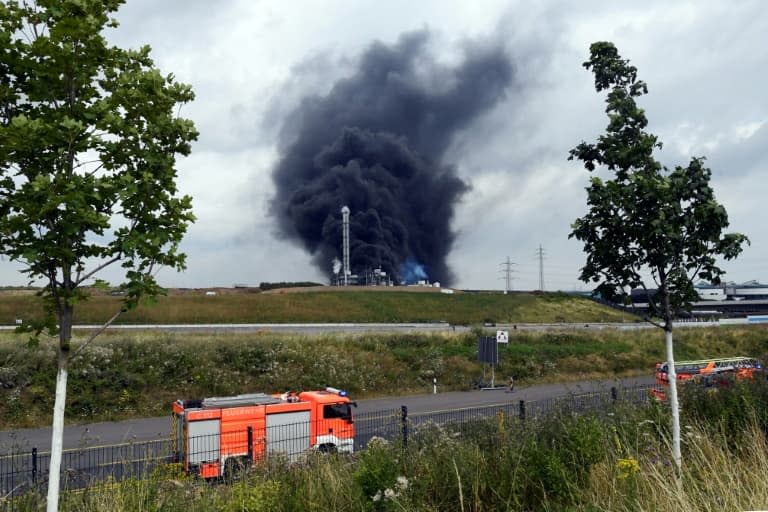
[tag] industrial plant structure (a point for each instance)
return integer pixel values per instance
(371, 277)
(343, 276)
(346, 272)
(372, 274)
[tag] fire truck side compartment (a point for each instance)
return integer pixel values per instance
(288, 432)
(204, 441)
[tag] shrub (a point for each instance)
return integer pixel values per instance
(377, 471)
(731, 410)
(559, 457)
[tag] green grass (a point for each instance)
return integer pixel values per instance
(332, 307)
(139, 374)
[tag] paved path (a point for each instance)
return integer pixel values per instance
(109, 433)
(352, 328)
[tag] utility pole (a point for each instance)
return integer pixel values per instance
(506, 269)
(540, 254)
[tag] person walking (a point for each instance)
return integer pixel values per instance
(511, 383)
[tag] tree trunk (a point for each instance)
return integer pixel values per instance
(671, 372)
(57, 433)
(673, 403)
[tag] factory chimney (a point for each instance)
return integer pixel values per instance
(345, 243)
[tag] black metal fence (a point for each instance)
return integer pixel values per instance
(24, 470)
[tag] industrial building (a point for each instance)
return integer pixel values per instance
(343, 276)
(751, 290)
(716, 301)
(371, 277)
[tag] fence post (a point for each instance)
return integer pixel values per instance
(522, 409)
(404, 420)
(34, 465)
(250, 444)
(614, 394)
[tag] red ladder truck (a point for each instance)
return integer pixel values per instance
(715, 372)
(217, 436)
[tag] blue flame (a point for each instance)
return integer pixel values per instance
(412, 272)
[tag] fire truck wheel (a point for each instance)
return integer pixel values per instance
(327, 448)
(234, 468)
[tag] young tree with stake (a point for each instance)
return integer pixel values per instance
(89, 135)
(647, 219)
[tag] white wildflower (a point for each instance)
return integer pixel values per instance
(378, 441)
(402, 483)
(389, 494)
(377, 496)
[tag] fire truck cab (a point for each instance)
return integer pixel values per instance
(216, 436)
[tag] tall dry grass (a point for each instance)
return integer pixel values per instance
(715, 476)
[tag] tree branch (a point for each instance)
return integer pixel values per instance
(97, 169)
(652, 307)
(104, 265)
(654, 274)
(695, 272)
(96, 333)
(652, 322)
(101, 267)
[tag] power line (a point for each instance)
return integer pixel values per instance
(507, 270)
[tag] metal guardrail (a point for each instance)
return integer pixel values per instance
(23, 471)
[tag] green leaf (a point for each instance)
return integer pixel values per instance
(645, 219)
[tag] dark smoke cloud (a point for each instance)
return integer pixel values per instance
(376, 143)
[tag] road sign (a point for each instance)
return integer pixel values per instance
(487, 350)
(502, 336)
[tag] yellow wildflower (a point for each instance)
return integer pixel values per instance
(627, 467)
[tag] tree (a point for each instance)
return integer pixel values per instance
(88, 141)
(647, 219)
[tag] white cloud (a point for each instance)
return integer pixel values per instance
(250, 62)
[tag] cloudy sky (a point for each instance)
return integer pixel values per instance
(252, 62)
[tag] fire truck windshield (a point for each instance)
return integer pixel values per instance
(342, 411)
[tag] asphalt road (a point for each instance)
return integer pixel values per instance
(110, 433)
(354, 328)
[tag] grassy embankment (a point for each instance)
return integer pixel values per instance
(125, 375)
(139, 374)
(332, 307)
(612, 463)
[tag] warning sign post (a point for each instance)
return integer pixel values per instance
(488, 354)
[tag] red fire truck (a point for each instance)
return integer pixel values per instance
(715, 373)
(217, 436)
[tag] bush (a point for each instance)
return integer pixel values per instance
(559, 457)
(730, 410)
(377, 473)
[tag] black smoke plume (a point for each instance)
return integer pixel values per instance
(376, 143)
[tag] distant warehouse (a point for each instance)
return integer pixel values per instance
(751, 290)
